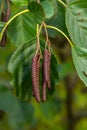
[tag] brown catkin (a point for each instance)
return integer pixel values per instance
(4, 18)
(46, 73)
(35, 79)
(43, 84)
(45, 65)
(4, 38)
(49, 60)
(44, 91)
(8, 10)
(37, 73)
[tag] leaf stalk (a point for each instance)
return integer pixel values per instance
(62, 3)
(57, 29)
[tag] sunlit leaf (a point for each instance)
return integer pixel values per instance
(80, 61)
(21, 29)
(20, 2)
(76, 21)
(58, 19)
(37, 11)
(1, 25)
(48, 8)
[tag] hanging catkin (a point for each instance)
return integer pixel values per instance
(43, 84)
(49, 60)
(46, 73)
(35, 77)
(44, 91)
(5, 16)
(46, 67)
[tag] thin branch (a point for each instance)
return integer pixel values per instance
(57, 29)
(47, 38)
(62, 3)
(6, 25)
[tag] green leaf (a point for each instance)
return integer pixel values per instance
(76, 22)
(48, 8)
(23, 28)
(1, 25)
(21, 53)
(80, 61)
(69, 1)
(58, 19)
(18, 112)
(20, 2)
(21, 70)
(36, 11)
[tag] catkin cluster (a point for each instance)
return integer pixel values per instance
(45, 75)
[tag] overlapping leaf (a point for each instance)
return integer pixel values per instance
(20, 2)
(80, 61)
(22, 29)
(20, 68)
(1, 25)
(76, 21)
(58, 19)
(48, 8)
(37, 11)
(69, 1)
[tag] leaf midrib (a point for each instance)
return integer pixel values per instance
(80, 26)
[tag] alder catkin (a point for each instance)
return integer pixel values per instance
(44, 91)
(43, 84)
(8, 10)
(4, 18)
(4, 38)
(35, 77)
(46, 73)
(49, 61)
(46, 67)
(37, 73)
